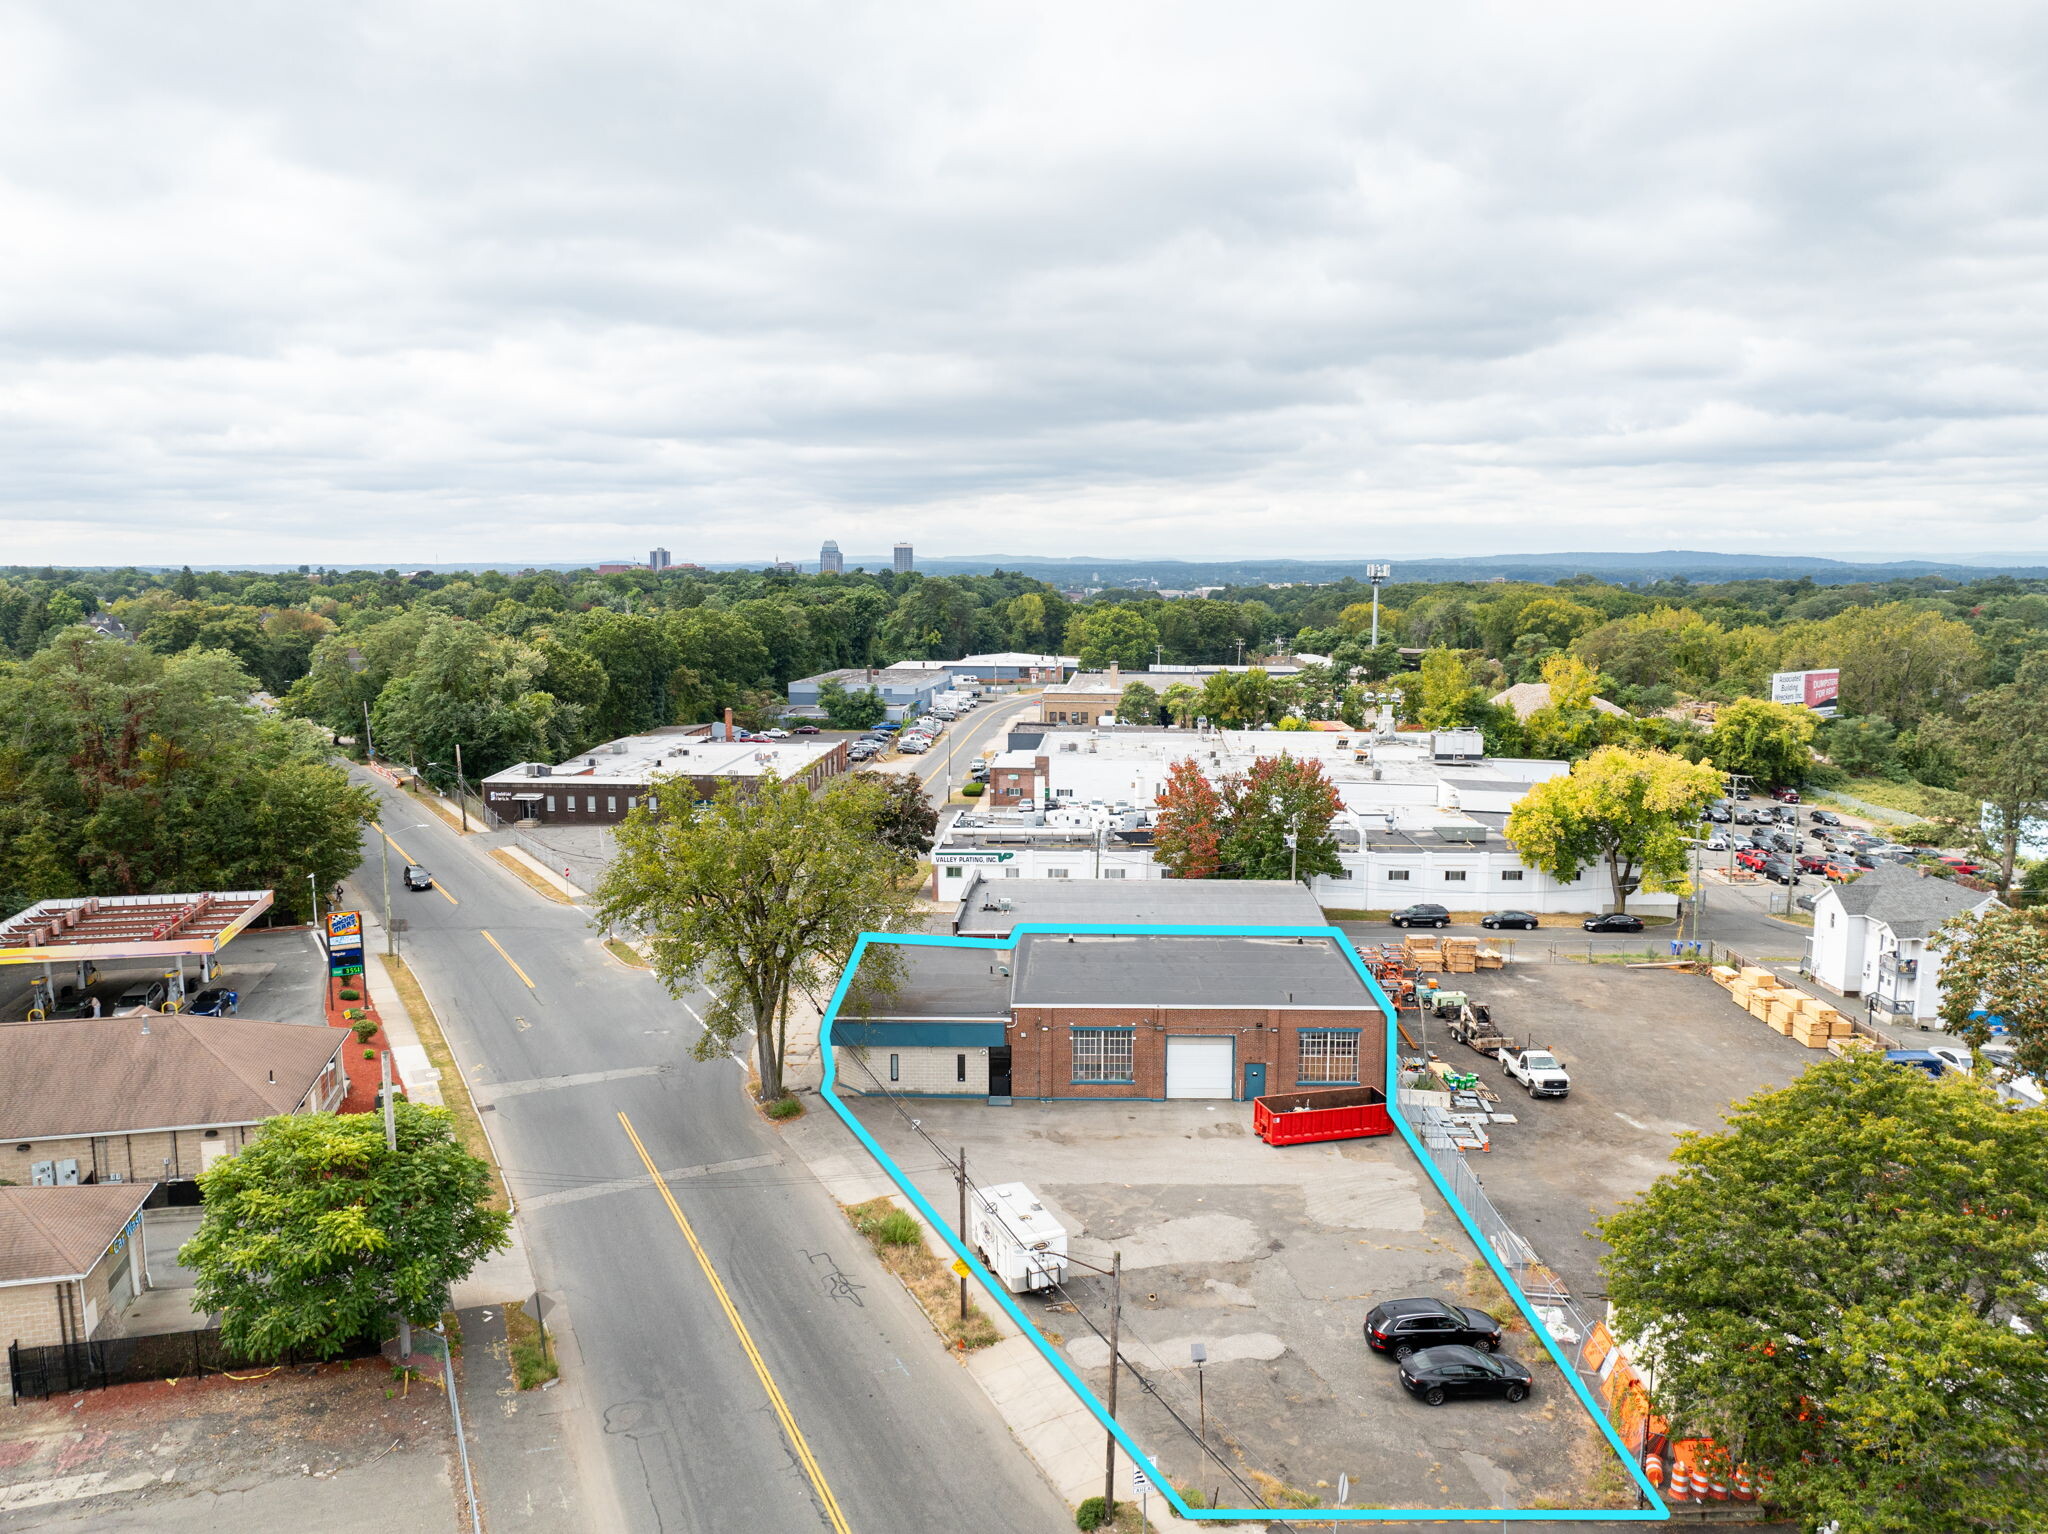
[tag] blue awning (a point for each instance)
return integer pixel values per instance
(912, 1035)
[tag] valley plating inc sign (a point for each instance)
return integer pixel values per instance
(1810, 689)
(972, 857)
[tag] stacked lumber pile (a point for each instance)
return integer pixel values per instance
(1425, 955)
(1461, 955)
(1783, 1008)
(1491, 958)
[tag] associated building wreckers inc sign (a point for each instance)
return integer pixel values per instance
(972, 857)
(1810, 689)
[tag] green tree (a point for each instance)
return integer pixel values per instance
(1628, 809)
(1862, 745)
(314, 1233)
(1116, 633)
(1441, 696)
(904, 816)
(1771, 742)
(1182, 702)
(2003, 748)
(756, 897)
(1996, 964)
(1277, 798)
(467, 687)
(1237, 700)
(127, 772)
(850, 709)
(1898, 659)
(1138, 704)
(1827, 1289)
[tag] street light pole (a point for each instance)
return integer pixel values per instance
(461, 790)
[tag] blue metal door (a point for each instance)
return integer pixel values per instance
(1254, 1079)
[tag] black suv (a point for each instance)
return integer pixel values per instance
(1401, 1327)
(1782, 867)
(417, 878)
(1424, 915)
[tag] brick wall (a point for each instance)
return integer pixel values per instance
(929, 1071)
(31, 1314)
(1042, 1045)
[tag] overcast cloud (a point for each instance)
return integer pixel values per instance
(448, 280)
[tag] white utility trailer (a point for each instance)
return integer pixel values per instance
(1017, 1238)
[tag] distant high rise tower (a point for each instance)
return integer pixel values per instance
(904, 560)
(658, 559)
(830, 560)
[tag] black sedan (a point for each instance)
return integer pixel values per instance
(1614, 921)
(1434, 1375)
(1401, 1327)
(214, 1001)
(1520, 920)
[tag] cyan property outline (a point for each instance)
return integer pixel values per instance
(1657, 1512)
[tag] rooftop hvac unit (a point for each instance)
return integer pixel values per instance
(618, 748)
(1006, 904)
(1070, 745)
(539, 770)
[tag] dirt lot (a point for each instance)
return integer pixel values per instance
(1270, 1258)
(1652, 1053)
(317, 1450)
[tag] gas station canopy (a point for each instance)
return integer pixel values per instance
(110, 928)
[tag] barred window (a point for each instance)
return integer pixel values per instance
(1454, 875)
(1511, 876)
(1328, 1055)
(1102, 1054)
(1397, 873)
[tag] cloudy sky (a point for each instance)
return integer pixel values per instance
(446, 279)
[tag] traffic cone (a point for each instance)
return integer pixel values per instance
(1700, 1491)
(1744, 1491)
(1717, 1482)
(1681, 1484)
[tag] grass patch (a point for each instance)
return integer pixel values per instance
(625, 953)
(788, 1106)
(1273, 1489)
(528, 876)
(469, 1129)
(931, 1282)
(1915, 799)
(533, 1359)
(434, 802)
(1793, 918)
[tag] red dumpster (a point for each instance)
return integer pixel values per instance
(1341, 1113)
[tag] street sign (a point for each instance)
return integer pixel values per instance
(960, 1267)
(1138, 1481)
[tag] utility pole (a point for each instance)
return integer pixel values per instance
(1377, 574)
(369, 745)
(960, 1177)
(461, 790)
(1116, 1307)
(391, 1144)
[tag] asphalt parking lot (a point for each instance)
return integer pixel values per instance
(1270, 1258)
(1652, 1053)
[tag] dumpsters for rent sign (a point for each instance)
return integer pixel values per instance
(1816, 690)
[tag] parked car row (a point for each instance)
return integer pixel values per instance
(1426, 914)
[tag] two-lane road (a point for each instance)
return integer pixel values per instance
(738, 1381)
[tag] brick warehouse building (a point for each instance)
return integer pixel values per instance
(605, 784)
(1127, 1016)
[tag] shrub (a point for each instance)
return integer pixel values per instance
(973, 790)
(784, 1108)
(348, 994)
(364, 1028)
(896, 1228)
(369, 1054)
(1095, 1514)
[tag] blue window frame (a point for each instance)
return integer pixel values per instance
(1328, 1057)
(1102, 1056)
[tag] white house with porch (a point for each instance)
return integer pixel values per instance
(1872, 938)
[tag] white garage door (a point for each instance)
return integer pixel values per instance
(1200, 1067)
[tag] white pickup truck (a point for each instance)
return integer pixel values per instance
(1536, 1069)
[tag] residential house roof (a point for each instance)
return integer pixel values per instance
(57, 1234)
(1140, 971)
(127, 1075)
(1911, 903)
(1527, 697)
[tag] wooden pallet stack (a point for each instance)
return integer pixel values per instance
(1782, 1008)
(1425, 955)
(1461, 955)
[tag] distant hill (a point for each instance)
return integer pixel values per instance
(1081, 570)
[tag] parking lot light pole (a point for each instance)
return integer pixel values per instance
(1116, 1294)
(1199, 1352)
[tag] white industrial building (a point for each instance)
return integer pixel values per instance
(1424, 815)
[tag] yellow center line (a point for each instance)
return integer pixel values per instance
(782, 1411)
(415, 862)
(507, 958)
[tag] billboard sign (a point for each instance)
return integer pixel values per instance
(345, 929)
(1816, 690)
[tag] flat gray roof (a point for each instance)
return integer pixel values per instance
(931, 983)
(1142, 971)
(992, 907)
